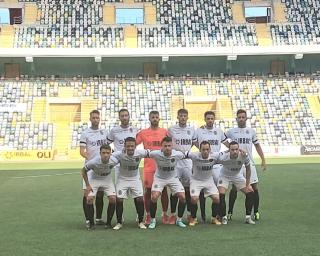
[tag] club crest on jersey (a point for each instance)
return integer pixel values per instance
(220, 181)
(192, 191)
(156, 186)
(130, 130)
(101, 132)
(172, 160)
(247, 131)
(188, 132)
(120, 192)
(239, 162)
(137, 159)
(215, 133)
(210, 160)
(121, 141)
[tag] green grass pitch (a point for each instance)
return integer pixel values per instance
(41, 214)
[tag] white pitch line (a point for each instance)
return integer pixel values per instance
(45, 175)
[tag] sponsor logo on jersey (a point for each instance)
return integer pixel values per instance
(97, 143)
(244, 140)
(213, 142)
(154, 143)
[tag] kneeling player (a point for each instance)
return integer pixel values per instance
(129, 179)
(102, 180)
(201, 179)
(166, 175)
(232, 162)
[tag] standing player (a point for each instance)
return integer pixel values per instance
(151, 139)
(129, 179)
(246, 136)
(215, 136)
(182, 137)
(100, 179)
(231, 172)
(119, 133)
(201, 179)
(166, 175)
(90, 141)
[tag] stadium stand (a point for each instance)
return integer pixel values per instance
(303, 27)
(280, 108)
(196, 24)
(182, 23)
(69, 24)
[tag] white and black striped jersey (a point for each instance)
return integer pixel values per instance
(232, 167)
(214, 136)
(245, 137)
(166, 165)
(182, 137)
(92, 140)
(118, 134)
(202, 168)
(99, 169)
(129, 165)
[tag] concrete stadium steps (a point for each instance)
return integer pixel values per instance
(279, 13)
(176, 104)
(10, 1)
(224, 108)
(39, 109)
(238, 13)
(150, 14)
(62, 140)
(87, 105)
(66, 92)
(198, 90)
(30, 13)
(263, 35)
(131, 37)
(109, 14)
(6, 36)
(314, 103)
(200, 104)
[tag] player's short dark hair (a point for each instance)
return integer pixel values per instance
(209, 113)
(154, 112)
(205, 142)
(166, 139)
(105, 146)
(182, 111)
(129, 139)
(233, 143)
(241, 111)
(123, 110)
(95, 112)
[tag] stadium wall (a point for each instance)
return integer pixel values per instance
(133, 66)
